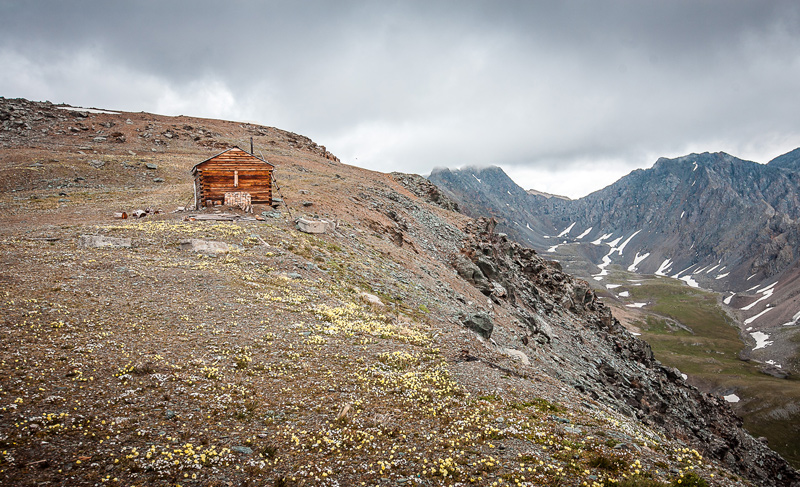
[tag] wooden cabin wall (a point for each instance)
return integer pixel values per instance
(214, 184)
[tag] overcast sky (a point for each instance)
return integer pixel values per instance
(565, 96)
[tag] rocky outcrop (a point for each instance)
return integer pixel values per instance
(575, 336)
(426, 190)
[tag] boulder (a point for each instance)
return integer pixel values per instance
(517, 355)
(480, 323)
(370, 299)
(99, 242)
(315, 226)
(207, 246)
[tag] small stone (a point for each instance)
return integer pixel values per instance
(158, 180)
(170, 414)
(294, 275)
(242, 449)
(97, 163)
(150, 165)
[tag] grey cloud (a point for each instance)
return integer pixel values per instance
(410, 85)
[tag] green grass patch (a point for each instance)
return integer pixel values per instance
(687, 329)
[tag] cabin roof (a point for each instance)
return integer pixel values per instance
(194, 168)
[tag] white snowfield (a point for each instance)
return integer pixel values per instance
(765, 293)
(636, 305)
(664, 267)
(476, 177)
(90, 110)
(624, 294)
(585, 233)
(613, 286)
(731, 398)
(794, 320)
(637, 260)
(761, 338)
(566, 230)
(600, 240)
(607, 258)
(759, 315)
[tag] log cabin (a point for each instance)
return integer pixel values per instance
(233, 170)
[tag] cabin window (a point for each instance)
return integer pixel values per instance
(235, 179)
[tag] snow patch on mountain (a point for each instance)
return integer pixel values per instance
(622, 247)
(88, 110)
(794, 320)
(607, 258)
(691, 282)
(637, 260)
(765, 293)
(761, 338)
(664, 267)
(754, 318)
(600, 240)
(566, 230)
(585, 233)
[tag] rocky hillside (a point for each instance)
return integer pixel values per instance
(409, 345)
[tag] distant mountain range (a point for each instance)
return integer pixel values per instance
(712, 220)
